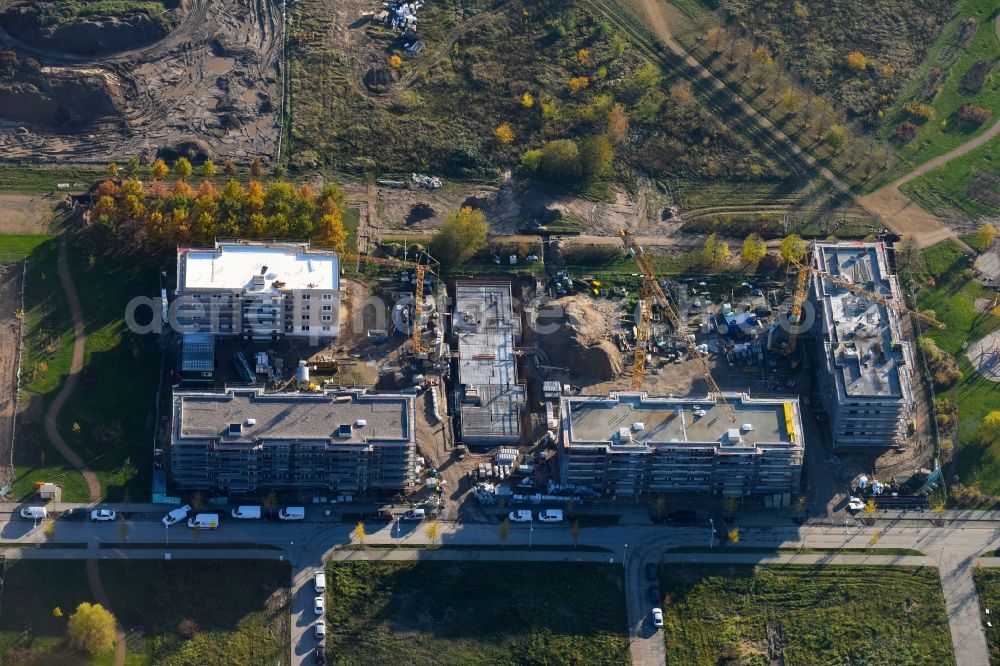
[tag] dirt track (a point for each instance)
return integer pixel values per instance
(10, 341)
(214, 80)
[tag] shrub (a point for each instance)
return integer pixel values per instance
(857, 61)
(972, 115)
(905, 132)
(973, 79)
(919, 110)
(187, 628)
(942, 366)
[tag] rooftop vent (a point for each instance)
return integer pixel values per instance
(235, 429)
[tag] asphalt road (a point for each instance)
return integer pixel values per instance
(953, 549)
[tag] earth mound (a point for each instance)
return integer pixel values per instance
(53, 97)
(580, 340)
(41, 25)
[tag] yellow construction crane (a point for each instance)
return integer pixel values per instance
(801, 284)
(420, 268)
(652, 286)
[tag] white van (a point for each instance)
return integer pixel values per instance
(292, 513)
(177, 515)
(319, 582)
(550, 516)
(34, 512)
(415, 514)
(246, 512)
(204, 521)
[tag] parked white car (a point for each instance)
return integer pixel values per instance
(519, 516)
(177, 515)
(657, 617)
(319, 603)
(102, 515)
(320, 629)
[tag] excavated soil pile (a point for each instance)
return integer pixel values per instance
(55, 97)
(580, 339)
(91, 35)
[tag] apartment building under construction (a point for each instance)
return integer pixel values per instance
(246, 441)
(258, 290)
(866, 364)
(629, 444)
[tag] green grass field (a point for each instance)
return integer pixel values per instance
(804, 615)
(15, 247)
(113, 401)
(988, 588)
(950, 58)
(953, 301)
(32, 179)
(968, 185)
(466, 613)
(240, 609)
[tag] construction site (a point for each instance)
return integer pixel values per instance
(200, 78)
(722, 383)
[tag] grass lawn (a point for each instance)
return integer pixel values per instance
(476, 613)
(953, 301)
(988, 588)
(15, 247)
(240, 608)
(968, 185)
(113, 402)
(32, 179)
(951, 59)
(798, 614)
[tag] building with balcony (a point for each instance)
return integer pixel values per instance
(629, 444)
(249, 441)
(261, 291)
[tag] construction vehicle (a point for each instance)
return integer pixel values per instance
(652, 285)
(421, 266)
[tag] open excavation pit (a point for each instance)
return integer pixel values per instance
(580, 340)
(202, 80)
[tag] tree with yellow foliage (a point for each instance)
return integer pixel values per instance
(330, 231)
(581, 56)
(160, 170)
(504, 134)
(578, 83)
(395, 61)
(527, 100)
(857, 61)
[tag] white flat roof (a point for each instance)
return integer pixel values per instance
(234, 265)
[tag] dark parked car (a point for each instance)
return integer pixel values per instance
(320, 654)
(681, 517)
(75, 514)
(651, 572)
(654, 595)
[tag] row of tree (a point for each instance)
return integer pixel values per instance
(169, 213)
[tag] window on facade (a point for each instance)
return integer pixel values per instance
(306, 297)
(327, 308)
(326, 328)
(327, 297)
(305, 328)
(327, 318)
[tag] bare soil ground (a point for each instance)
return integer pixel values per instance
(212, 86)
(25, 214)
(10, 342)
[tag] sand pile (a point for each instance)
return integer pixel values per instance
(580, 339)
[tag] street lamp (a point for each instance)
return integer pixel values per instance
(531, 526)
(711, 534)
(624, 555)
(396, 529)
